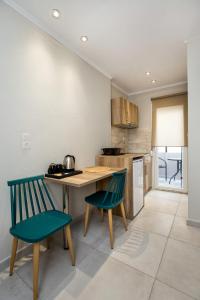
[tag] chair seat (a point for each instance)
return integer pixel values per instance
(40, 226)
(97, 199)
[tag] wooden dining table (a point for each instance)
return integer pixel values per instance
(88, 176)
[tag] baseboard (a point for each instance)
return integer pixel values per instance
(27, 249)
(192, 222)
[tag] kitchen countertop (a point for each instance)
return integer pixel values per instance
(126, 155)
(84, 178)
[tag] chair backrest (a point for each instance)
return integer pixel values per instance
(29, 196)
(116, 186)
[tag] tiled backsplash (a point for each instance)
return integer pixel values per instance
(139, 140)
(120, 138)
(136, 140)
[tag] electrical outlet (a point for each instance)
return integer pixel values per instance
(26, 145)
(26, 141)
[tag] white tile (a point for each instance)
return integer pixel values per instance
(55, 268)
(85, 272)
(118, 281)
(164, 292)
(164, 195)
(13, 288)
(97, 230)
(183, 208)
(161, 205)
(183, 197)
(152, 221)
(63, 295)
(93, 278)
(120, 236)
(182, 231)
(142, 250)
(180, 268)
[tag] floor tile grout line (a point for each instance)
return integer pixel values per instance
(131, 267)
(157, 211)
(180, 291)
(164, 251)
(184, 242)
(21, 278)
(145, 231)
(156, 277)
(121, 262)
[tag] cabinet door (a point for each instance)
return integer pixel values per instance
(136, 116)
(124, 113)
(132, 114)
(129, 112)
(119, 112)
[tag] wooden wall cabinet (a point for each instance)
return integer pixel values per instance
(124, 113)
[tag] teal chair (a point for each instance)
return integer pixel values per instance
(112, 197)
(34, 218)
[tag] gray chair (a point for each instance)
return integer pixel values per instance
(163, 165)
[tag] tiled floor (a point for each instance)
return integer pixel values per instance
(158, 258)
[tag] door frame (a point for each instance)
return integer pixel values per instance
(183, 190)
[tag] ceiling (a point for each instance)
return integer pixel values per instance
(126, 38)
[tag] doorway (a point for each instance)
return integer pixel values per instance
(170, 168)
(169, 142)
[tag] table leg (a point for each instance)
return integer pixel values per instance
(181, 171)
(178, 169)
(66, 210)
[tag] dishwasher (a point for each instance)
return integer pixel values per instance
(138, 185)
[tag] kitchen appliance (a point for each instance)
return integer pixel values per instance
(55, 168)
(138, 185)
(63, 174)
(111, 151)
(69, 163)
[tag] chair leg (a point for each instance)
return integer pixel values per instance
(69, 240)
(110, 221)
(13, 255)
(48, 243)
(36, 256)
(87, 212)
(123, 215)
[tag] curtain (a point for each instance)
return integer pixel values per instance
(169, 121)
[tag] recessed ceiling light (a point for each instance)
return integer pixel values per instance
(148, 73)
(55, 13)
(153, 81)
(84, 38)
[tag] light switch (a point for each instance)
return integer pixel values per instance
(26, 141)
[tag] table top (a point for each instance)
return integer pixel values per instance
(85, 178)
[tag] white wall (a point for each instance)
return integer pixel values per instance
(194, 139)
(49, 92)
(115, 92)
(139, 140)
(144, 102)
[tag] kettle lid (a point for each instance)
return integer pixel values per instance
(71, 156)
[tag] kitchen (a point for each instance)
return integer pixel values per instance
(74, 101)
